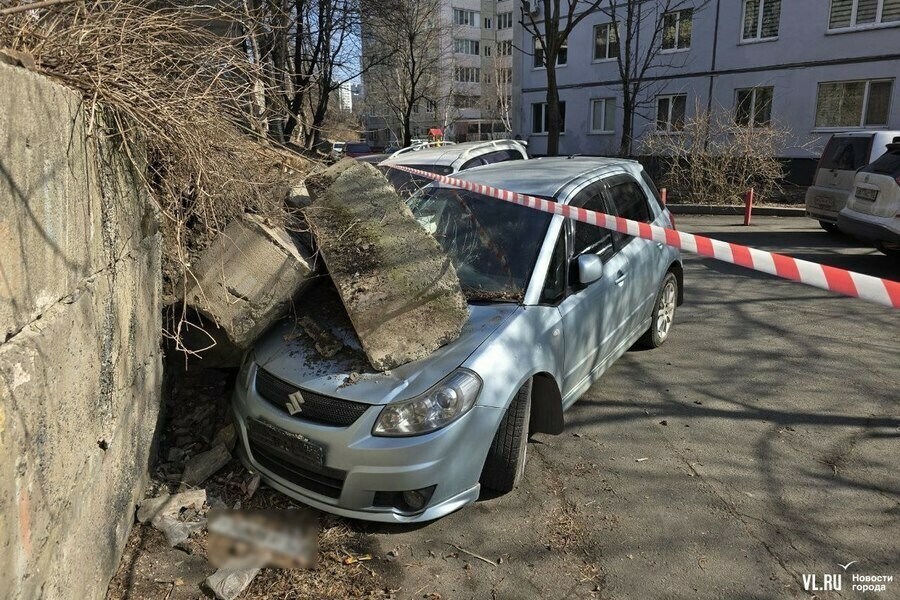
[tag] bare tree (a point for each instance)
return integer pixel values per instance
(497, 93)
(413, 39)
(550, 22)
(642, 30)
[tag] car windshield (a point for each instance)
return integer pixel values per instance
(493, 244)
(408, 184)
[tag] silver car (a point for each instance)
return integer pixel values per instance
(552, 304)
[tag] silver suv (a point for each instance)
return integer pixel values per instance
(552, 304)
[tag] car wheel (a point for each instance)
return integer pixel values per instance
(663, 313)
(830, 227)
(505, 461)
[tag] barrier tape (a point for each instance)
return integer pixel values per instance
(848, 283)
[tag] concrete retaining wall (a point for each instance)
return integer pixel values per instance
(80, 362)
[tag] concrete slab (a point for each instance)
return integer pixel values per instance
(400, 290)
(248, 277)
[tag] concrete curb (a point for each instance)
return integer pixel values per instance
(762, 211)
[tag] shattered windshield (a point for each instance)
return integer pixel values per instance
(493, 244)
(408, 184)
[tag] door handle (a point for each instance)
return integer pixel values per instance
(621, 278)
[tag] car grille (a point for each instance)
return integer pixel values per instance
(315, 408)
(325, 481)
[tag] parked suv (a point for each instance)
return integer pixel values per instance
(447, 159)
(873, 209)
(844, 154)
(552, 304)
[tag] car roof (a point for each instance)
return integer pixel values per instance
(544, 176)
(447, 155)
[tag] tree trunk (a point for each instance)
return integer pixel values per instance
(553, 116)
(627, 124)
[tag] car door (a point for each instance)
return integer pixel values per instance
(643, 257)
(590, 313)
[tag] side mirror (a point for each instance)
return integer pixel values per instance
(590, 268)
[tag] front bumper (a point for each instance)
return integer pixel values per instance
(880, 230)
(361, 470)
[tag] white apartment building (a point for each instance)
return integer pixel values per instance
(474, 102)
(814, 66)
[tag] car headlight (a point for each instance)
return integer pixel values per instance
(248, 370)
(436, 408)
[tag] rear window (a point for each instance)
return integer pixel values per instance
(886, 164)
(846, 153)
(357, 148)
(653, 189)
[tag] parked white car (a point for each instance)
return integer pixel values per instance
(873, 209)
(843, 156)
(446, 160)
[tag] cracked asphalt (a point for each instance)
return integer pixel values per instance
(759, 445)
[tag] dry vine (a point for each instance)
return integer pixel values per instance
(176, 87)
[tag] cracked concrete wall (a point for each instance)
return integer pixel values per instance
(80, 358)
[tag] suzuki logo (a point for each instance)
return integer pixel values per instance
(295, 403)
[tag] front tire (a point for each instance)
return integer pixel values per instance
(505, 463)
(663, 315)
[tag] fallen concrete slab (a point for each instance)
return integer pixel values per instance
(248, 277)
(399, 288)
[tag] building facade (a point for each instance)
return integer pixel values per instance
(811, 66)
(474, 99)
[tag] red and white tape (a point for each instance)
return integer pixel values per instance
(848, 283)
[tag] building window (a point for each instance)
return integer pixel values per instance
(463, 46)
(504, 21)
(539, 122)
(461, 101)
(606, 41)
(487, 23)
(504, 48)
(430, 106)
(856, 13)
(670, 113)
(853, 103)
(603, 114)
(677, 27)
(753, 106)
(504, 75)
(415, 109)
(540, 63)
(486, 77)
(761, 19)
(468, 74)
(466, 17)
(487, 49)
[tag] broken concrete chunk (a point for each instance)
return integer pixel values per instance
(317, 183)
(327, 345)
(170, 504)
(226, 436)
(228, 583)
(247, 278)
(204, 465)
(165, 513)
(400, 290)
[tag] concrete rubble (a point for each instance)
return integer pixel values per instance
(399, 288)
(177, 516)
(202, 466)
(248, 277)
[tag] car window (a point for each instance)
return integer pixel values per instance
(555, 283)
(590, 238)
(653, 189)
(408, 184)
(846, 153)
(491, 158)
(492, 244)
(886, 164)
(629, 202)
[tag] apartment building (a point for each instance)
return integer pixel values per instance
(813, 66)
(474, 101)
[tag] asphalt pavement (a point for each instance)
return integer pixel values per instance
(757, 448)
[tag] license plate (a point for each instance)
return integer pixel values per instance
(866, 194)
(293, 445)
(823, 201)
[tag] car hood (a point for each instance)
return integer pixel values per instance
(289, 353)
